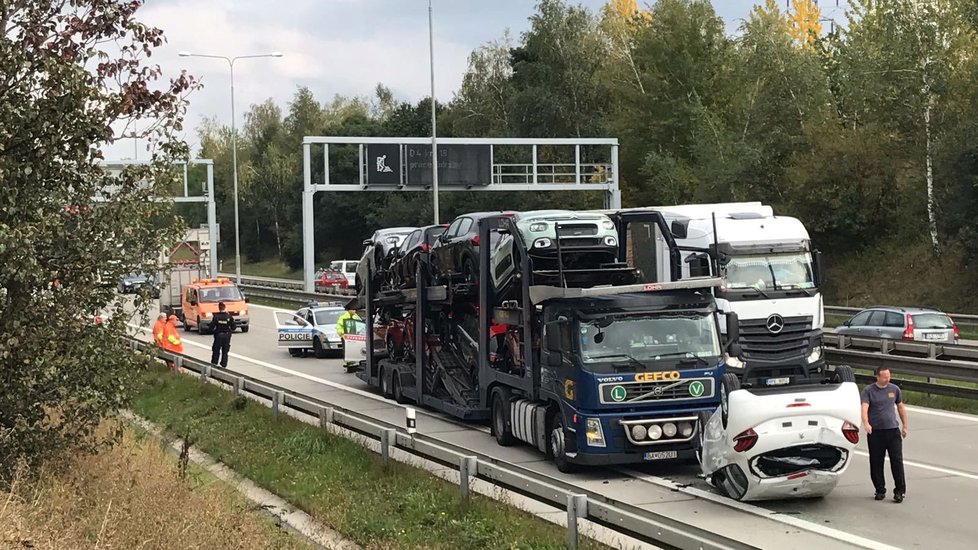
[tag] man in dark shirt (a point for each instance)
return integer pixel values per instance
(881, 403)
(224, 325)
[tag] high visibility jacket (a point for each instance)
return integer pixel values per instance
(171, 339)
(339, 322)
(158, 329)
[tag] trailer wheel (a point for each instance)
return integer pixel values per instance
(398, 393)
(843, 373)
(557, 444)
(317, 348)
(501, 424)
(729, 383)
(385, 385)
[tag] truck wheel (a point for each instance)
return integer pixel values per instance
(729, 383)
(385, 386)
(244, 329)
(501, 424)
(843, 373)
(557, 444)
(317, 348)
(397, 391)
(200, 327)
(186, 325)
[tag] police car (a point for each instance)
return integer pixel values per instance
(781, 443)
(312, 328)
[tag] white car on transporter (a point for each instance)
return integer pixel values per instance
(777, 443)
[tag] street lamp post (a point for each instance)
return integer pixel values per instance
(434, 139)
(234, 148)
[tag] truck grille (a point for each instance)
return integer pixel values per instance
(760, 343)
(648, 392)
(576, 230)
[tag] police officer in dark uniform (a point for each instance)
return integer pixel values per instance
(223, 324)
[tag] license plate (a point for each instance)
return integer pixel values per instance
(777, 381)
(935, 336)
(661, 455)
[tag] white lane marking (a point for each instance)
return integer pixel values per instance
(938, 469)
(945, 414)
(761, 512)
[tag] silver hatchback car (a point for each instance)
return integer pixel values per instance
(902, 323)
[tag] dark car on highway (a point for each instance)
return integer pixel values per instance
(456, 252)
(408, 254)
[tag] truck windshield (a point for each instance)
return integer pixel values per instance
(640, 339)
(769, 272)
(220, 294)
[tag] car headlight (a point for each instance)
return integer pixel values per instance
(608, 224)
(610, 241)
(542, 243)
(815, 355)
(595, 434)
(733, 361)
(538, 227)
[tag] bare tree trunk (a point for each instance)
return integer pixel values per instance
(931, 203)
(278, 237)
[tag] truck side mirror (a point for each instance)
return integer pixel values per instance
(733, 329)
(819, 274)
(247, 299)
(735, 350)
(555, 336)
(193, 303)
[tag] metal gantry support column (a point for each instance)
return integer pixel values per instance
(211, 218)
(308, 227)
(613, 199)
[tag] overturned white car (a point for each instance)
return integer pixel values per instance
(776, 443)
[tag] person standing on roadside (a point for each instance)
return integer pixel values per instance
(881, 403)
(172, 342)
(158, 329)
(224, 325)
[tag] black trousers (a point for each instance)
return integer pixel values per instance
(220, 348)
(881, 443)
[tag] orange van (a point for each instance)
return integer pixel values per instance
(201, 297)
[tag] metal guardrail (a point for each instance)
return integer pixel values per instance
(962, 319)
(578, 502)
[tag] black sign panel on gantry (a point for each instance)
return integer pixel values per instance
(458, 165)
(383, 163)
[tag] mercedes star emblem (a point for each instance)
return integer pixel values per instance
(775, 323)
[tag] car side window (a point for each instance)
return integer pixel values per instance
(412, 240)
(465, 226)
(877, 318)
(310, 318)
(860, 320)
(894, 320)
(453, 229)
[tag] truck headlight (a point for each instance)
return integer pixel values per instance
(204, 314)
(733, 361)
(537, 227)
(595, 434)
(815, 355)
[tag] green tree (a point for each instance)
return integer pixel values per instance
(69, 74)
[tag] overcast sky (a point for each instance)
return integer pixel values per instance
(337, 47)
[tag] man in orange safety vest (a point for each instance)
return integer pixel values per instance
(171, 340)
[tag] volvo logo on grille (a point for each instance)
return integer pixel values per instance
(775, 324)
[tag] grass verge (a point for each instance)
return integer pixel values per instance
(132, 496)
(334, 479)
